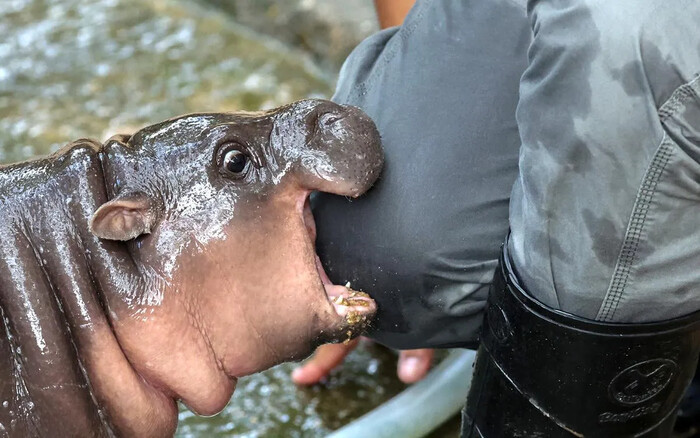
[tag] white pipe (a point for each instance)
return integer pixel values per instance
(422, 407)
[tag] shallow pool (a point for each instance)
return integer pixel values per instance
(73, 68)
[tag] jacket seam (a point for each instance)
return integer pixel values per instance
(679, 97)
(640, 211)
(404, 32)
(642, 203)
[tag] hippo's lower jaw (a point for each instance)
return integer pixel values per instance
(357, 308)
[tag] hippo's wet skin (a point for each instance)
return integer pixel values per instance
(164, 265)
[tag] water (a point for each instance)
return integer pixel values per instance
(71, 69)
(269, 405)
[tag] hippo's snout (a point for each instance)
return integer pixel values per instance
(343, 153)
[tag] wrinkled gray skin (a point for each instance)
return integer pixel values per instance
(164, 265)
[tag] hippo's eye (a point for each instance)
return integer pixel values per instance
(233, 162)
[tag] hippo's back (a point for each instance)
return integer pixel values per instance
(39, 179)
(43, 386)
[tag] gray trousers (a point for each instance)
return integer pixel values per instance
(604, 153)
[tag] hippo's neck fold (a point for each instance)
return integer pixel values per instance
(56, 282)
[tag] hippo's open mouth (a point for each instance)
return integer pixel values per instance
(355, 308)
(346, 302)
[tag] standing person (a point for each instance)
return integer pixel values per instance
(590, 327)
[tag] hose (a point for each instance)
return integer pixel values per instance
(422, 407)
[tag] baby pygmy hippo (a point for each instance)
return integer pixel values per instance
(164, 265)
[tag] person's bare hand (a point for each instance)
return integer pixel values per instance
(412, 366)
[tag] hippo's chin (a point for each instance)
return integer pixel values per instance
(216, 399)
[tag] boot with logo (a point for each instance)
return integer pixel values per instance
(541, 372)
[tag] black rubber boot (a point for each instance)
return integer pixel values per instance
(541, 372)
(688, 419)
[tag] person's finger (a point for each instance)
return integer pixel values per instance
(414, 364)
(325, 359)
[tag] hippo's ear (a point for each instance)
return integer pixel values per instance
(123, 218)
